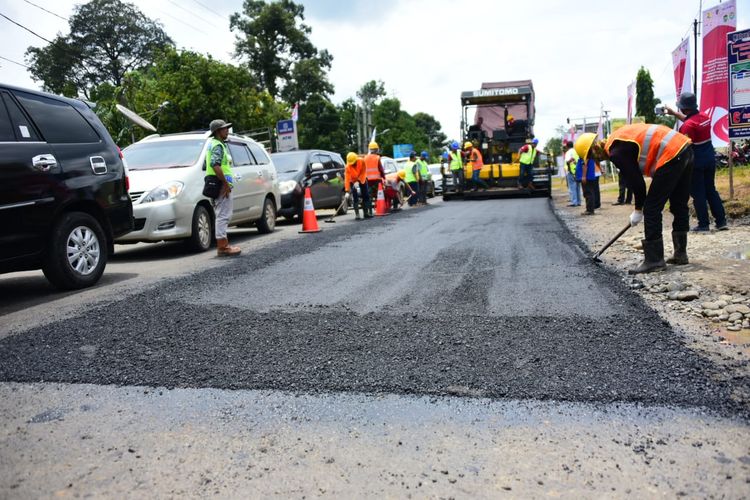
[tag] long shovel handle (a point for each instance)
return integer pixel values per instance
(609, 243)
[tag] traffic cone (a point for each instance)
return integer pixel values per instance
(309, 220)
(381, 208)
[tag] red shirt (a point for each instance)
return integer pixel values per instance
(697, 127)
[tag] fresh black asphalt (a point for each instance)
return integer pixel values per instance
(482, 299)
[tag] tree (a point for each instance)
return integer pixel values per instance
(198, 89)
(371, 92)
(644, 101)
(432, 131)
(273, 40)
(107, 39)
(402, 127)
(554, 146)
(320, 125)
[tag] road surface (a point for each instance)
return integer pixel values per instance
(464, 349)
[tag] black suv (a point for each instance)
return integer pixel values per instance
(63, 188)
(322, 171)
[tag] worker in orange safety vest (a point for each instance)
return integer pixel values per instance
(375, 173)
(355, 182)
(664, 155)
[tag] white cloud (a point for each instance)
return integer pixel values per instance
(579, 55)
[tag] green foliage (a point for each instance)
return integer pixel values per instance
(644, 100)
(108, 38)
(431, 128)
(198, 88)
(319, 125)
(348, 123)
(274, 41)
(371, 92)
(402, 127)
(554, 146)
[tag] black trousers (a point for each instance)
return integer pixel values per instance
(669, 183)
(591, 194)
(625, 195)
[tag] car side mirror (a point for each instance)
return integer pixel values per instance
(317, 166)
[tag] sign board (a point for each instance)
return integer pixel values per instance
(402, 150)
(287, 136)
(738, 65)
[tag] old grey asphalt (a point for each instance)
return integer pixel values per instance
(476, 308)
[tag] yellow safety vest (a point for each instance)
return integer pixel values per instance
(527, 158)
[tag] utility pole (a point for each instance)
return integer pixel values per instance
(695, 57)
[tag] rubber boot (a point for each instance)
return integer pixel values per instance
(653, 257)
(679, 240)
(224, 249)
(367, 211)
(356, 214)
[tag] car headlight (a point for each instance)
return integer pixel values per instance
(164, 192)
(287, 187)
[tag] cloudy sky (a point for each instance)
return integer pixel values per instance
(580, 55)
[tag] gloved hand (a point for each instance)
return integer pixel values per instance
(636, 218)
(348, 198)
(356, 185)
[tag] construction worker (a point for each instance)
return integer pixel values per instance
(375, 173)
(574, 186)
(457, 167)
(355, 182)
(529, 160)
(697, 126)
(444, 162)
(586, 176)
(666, 156)
(219, 164)
(412, 178)
(424, 176)
(475, 161)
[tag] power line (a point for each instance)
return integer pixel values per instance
(209, 9)
(24, 27)
(183, 22)
(45, 10)
(190, 12)
(14, 62)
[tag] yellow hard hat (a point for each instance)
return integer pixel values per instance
(468, 144)
(373, 145)
(402, 174)
(583, 144)
(351, 158)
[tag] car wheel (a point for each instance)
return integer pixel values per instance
(343, 204)
(202, 230)
(267, 222)
(78, 252)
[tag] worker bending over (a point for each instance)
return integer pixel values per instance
(664, 155)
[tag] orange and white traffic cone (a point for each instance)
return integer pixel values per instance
(309, 220)
(381, 207)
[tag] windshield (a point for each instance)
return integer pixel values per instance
(163, 154)
(287, 163)
(435, 169)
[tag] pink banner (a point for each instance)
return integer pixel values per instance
(717, 22)
(681, 65)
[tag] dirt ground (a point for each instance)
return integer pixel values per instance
(700, 300)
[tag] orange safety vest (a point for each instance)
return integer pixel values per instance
(371, 163)
(354, 173)
(475, 159)
(657, 144)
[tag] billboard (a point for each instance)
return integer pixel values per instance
(286, 131)
(738, 67)
(402, 150)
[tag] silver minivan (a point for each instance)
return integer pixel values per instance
(166, 186)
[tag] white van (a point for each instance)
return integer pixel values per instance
(166, 185)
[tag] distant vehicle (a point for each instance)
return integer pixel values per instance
(166, 187)
(437, 179)
(63, 188)
(322, 170)
(507, 110)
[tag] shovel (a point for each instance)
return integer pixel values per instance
(595, 257)
(330, 219)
